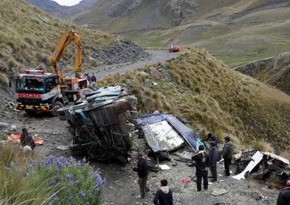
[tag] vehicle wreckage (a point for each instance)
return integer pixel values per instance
(101, 123)
(261, 165)
(165, 133)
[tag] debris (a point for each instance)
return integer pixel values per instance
(62, 147)
(164, 167)
(219, 192)
(261, 165)
(256, 159)
(144, 123)
(16, 138)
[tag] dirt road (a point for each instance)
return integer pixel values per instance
(156, 56)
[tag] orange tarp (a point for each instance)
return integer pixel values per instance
(16, 138)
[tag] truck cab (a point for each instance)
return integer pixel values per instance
(37, 91)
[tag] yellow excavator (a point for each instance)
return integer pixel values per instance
(39, 91)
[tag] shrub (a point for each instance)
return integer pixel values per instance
(264, 146)
(28, 180)
(3, 79)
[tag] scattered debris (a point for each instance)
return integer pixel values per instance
(219, 192)
(16, 138)
(164, 167)
(261, 165)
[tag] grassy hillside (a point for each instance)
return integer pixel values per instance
(28, 36)
(235, 32)
(274, 71)
(213, 96)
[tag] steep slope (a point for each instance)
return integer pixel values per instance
(234, 31)
(274, 71)
(28, 36)
(210, 94)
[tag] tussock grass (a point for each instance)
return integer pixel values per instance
(4, 80)
(214, 97)
(28, 37)
(261, 145)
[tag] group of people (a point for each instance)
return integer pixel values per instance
(91, 79)
(208, 161)
(164, 196)
(204, 161)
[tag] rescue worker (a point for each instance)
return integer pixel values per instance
(26, 139)
(284, 196)
(227, 154)
(93, 78)
(201, 159)
(142, 170)
(211, 137)
(164, 195)
(213, 158)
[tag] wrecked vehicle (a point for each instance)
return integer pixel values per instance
(263, 164)
(101, 123)
(165, 133)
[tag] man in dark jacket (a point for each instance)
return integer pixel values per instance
(284, 196)
(163, 195)
(227, 153)
(142, 171)
(213, 158)
(27, 139)
(201, 159)
(93, 78)
(211, 138)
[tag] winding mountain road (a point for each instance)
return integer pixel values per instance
(156, 56)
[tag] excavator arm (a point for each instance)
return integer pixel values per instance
(65, 40)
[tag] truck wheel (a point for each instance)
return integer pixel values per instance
(85, 91)
(56, 106)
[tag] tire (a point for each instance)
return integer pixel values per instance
(85, 91)
(56, 106)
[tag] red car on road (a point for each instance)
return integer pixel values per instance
(173, 49)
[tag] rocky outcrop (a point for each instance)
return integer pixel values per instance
(274, 71)
(125, 51)
(180, 9)
(121, 8)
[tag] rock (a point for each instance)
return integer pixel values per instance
(156, 74)
(3, 125)
(13, 128)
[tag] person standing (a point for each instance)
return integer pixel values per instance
(213, 158)
(211, 137)
(284, 196)
(201, 159)
(93, 78)
(142, 170)
(164, 195)
(227, 154)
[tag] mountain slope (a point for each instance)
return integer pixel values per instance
(274, 71)
(234, 31)
(48, 6)
(210, 94)
(28, 36)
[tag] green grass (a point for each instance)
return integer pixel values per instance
(214, 97)
(28, 37)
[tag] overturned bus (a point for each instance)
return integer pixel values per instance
(101, 123)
